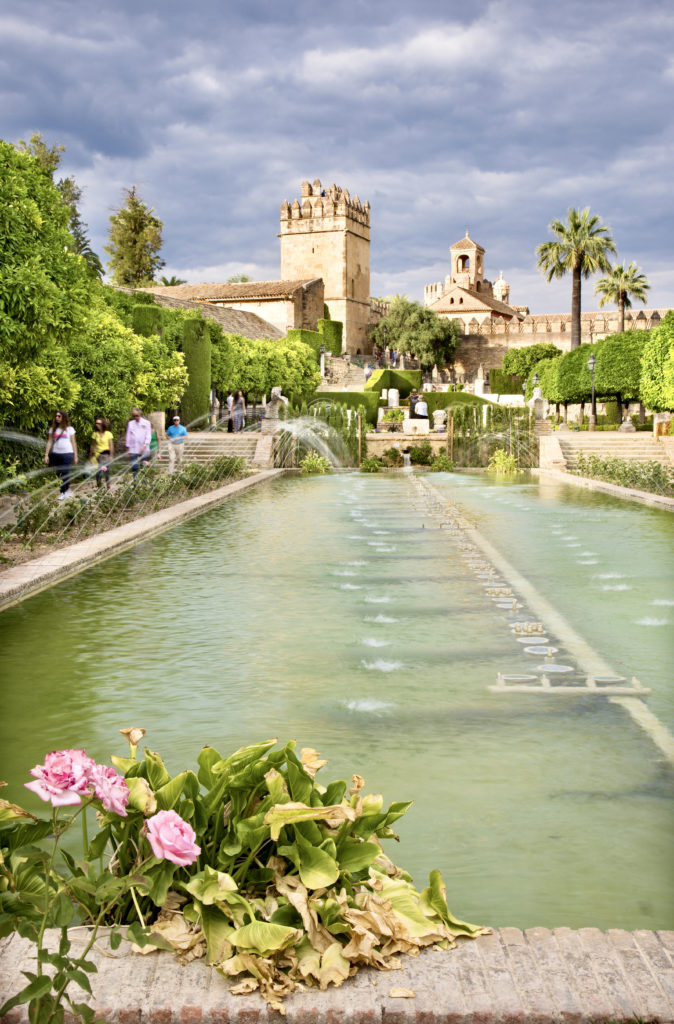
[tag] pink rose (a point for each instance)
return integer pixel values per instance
(171, 838)
(111, 789)
(63, 778)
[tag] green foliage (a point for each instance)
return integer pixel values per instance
(370, 465)
(368, 400)
(405, 381)
(147, 319)
(45, 291)
(393, 416)
(451, 400)
(501, 383)
(196, 346)
(239, 278)
(502, 462)
(312, 339)
(618, 369)
(411, 327)
(619, 286)
(326, 312)
(393, 457)
(331, 333)
(135, 241)
(421, 454)
(657, 367)
(641, 476)
(124, 303)
(522, 362)
(271, 867)
(256, 366)
(314, 464)
(172, 281)
(442, 464)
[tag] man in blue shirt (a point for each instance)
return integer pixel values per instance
(176, 435)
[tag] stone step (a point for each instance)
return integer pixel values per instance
(203, 447)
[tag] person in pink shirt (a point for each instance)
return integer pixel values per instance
(138, 435)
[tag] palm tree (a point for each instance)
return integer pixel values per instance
(581, 246)
(170, 282)
(619, 285)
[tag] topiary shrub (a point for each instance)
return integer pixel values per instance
(147, 320)
(196, 345)
(421, 454)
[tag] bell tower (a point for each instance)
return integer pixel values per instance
(467, 264)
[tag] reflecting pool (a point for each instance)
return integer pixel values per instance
(336, 611)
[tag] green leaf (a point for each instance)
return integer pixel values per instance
(356, 856)
(24, 835)
(159, 880)
(62, 911)
(208, 757)
(167, 796)
(435, 896)
(264, 938)
(316, 868)
(334, 794)
(299, 783)
(10, 812)
(210, 886)
(287, 814)
(218, 932)
(245, 756)
(157, 775)
(79, 978)
(98, 844)
(115, 939)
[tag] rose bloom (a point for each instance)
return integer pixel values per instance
(171, 838)
(110, 788)
(63, 778)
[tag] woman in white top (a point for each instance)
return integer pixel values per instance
(61, 451)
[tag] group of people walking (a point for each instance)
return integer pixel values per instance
(142, 443)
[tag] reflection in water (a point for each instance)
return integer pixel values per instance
(237, 626)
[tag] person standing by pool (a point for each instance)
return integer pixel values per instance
(230, 406)
(176, 435)
(239, 411)
(61, 451)
(138, 436)
(101, 450)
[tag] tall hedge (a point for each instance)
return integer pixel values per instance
(352, 400)
(618, 369)
(451, 400)
(311, 338)
(405, 381)
(501, 383)
(196, 345)
(331, 332)
(657, 366)
(147, 320)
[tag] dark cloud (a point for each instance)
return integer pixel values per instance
(495, 116)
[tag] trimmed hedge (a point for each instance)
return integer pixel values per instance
(197, 351)
(446, 399)
(331, 332)
(404, 380)
(311, 338)
(147, 320)
(501, 383)
(351, 400)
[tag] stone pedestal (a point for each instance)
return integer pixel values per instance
(439, 419)
(393, 398)
(271, 415)
(413, 427)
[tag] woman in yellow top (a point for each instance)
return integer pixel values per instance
(102, 450)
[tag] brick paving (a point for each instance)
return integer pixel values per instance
(537, 976)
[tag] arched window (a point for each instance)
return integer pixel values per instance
(463, 264)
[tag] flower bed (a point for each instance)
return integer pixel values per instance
(276, 880)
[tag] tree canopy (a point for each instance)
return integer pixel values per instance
(521, 362)
(581, 247)
(619, 286)
(411, 327)
(657, 366)
(135, 238)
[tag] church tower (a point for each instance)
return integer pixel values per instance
(327, 234)
(467, 264)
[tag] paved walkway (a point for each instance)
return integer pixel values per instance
(510, 976)
(29, 577)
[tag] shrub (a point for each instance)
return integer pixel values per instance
(393, 416)
(370, 465)
(421, 454)
(314, 464)
(501, 383)
(503, 463)
(642, 476)
(442, 464)
(197, 350)
(393, 456)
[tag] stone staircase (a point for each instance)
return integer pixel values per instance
(640, 447)
(343, 377)
(204, 446)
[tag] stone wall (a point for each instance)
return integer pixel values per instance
(487, 343)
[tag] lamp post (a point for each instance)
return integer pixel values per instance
(534, 382)
(322, 360)
(591, 363)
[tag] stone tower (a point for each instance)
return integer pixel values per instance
(327, 234)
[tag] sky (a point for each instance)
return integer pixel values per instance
(495, 117)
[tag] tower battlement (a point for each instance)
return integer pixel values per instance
(317, 202)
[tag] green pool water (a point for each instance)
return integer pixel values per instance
(336, 612)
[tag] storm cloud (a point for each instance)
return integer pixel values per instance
(496, 117)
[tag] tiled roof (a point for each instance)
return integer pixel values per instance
(239, 292)
(232, 321)
(466, 243)
(473, 302)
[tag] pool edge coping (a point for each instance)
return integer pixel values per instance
(538, 974)
(626, 493)
(29, 578)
